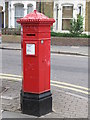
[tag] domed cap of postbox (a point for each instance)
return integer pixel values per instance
(36, 17)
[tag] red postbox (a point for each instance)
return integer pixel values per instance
(36, 98)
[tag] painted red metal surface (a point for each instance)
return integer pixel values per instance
(36, 66)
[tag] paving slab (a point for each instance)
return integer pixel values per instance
(64, 105)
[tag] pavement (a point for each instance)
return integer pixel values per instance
(71, 50)
(65, 105)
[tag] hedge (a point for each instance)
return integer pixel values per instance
(54, 34)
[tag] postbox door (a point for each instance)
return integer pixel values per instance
(30, 67)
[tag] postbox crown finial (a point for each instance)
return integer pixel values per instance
(36, 17)
(35, 11)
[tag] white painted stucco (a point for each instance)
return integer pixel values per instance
(75, 4)
(11, 10)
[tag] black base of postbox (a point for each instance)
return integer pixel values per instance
(36, 104)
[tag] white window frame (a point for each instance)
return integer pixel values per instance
(66, 18)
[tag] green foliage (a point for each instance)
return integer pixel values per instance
(76, 26)
(19, 27)
(54, 34)
(51, 28)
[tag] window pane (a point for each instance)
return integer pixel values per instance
(66, 24)
(16, 24)
(29, 9)
(56, 17)
(79, 10)
(67, 12)
(19, 12)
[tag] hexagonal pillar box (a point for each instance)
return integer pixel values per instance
(36, 97)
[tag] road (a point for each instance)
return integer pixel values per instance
(67, 71)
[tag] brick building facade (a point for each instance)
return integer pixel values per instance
(46, 8)
(87, 17)
(61, 10)
(1, 17)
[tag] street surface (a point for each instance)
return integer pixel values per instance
(68, 72)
